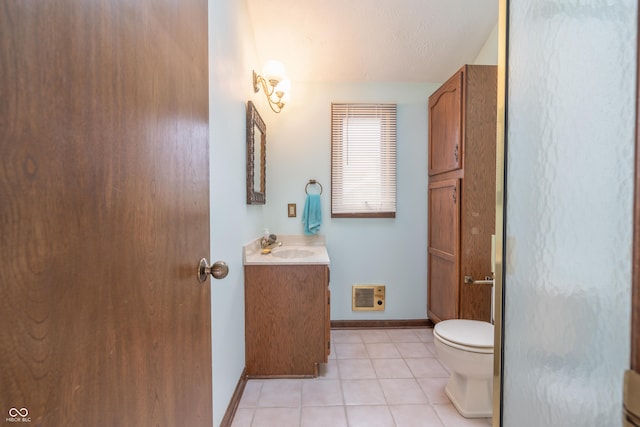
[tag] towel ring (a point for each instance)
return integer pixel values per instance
(312, 181)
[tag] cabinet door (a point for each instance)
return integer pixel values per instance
(285, 325)
(328, 327)
(327, 321)
(443, 254)
(445, 127)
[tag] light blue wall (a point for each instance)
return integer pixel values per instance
(362, 251)
(233, 222)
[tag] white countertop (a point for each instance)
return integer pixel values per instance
(295, 250)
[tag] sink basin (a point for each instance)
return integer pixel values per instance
(291, 250)
(292, 253)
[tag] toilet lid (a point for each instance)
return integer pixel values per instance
(472, 333)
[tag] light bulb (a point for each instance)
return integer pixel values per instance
(273, 71)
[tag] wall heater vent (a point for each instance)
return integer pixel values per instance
(367, 297)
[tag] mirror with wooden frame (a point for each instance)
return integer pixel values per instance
(256, 156)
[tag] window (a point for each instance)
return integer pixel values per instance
(363, 160)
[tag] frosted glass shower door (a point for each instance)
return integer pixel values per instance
(570, 139)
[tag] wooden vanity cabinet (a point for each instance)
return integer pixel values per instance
(287, 323)
(461, 193)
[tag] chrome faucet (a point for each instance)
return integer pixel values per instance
(266, 241)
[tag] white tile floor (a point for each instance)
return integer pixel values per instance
(374, 378)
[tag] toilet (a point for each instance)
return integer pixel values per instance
(465, 347)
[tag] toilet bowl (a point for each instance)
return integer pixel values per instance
(465, 347)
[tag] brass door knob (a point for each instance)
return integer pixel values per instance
(218, 270)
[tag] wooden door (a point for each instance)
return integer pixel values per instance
(104, 213)
(445, 126)
(443, 250)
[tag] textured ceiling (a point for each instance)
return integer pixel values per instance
(371, 40)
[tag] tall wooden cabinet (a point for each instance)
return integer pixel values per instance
(461, 193)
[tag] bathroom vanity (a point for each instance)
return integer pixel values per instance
(287, 308)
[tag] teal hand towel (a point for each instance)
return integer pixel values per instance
(312, 215)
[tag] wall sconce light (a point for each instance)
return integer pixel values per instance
(274, 83)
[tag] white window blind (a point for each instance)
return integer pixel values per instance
(363, 160)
